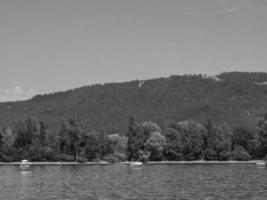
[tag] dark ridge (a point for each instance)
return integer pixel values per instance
(233, 97)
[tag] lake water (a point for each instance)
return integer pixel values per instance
(161, 181)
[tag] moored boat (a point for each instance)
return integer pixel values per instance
(25, 165)
(136, 164)
(261, 163)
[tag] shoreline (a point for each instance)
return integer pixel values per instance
(127, 162)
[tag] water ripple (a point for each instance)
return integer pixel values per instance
(163, 182)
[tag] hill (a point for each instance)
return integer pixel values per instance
(237, 98)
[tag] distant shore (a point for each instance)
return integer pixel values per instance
(127, 162)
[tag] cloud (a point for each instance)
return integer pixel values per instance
(232, 6)
(232, 9)
(16, 94)
(222, 1)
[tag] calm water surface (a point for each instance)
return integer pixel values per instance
(161, 181)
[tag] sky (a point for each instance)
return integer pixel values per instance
(55, 45)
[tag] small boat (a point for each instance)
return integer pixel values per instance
(261, 163)
(24, 165)
(136, 164)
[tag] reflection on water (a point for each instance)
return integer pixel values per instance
(209, 182)
(24, 182)
(25, 173)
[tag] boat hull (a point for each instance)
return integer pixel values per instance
(261, 164)
(136, 164)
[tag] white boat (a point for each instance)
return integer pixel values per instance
(24, 165)
(136, 164)
(261, 163)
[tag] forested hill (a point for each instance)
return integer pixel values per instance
(236, 98)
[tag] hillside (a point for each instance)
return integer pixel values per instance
(236, 98)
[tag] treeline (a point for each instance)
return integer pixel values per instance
(147, 141)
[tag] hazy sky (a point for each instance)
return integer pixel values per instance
(52, 45)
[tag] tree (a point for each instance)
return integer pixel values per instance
(262, 137)
(150, 127)
(75, 132)
(64, 139)
(210, 135)
(118, 146)
(173, 146)
(25, 134)
(210, 140)
(97, 146)
(7, 150)
(92, 146)
(1, 137)
(223, 142)
(136, 141)
(43, 133)
(155, 146)
(1, 143)
(8, 138)
(240, 153)
(245, 138)
(193, 143)
(70, 137)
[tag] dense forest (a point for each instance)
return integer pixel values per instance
(146, 141)
(188, 117)
(236, 98)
